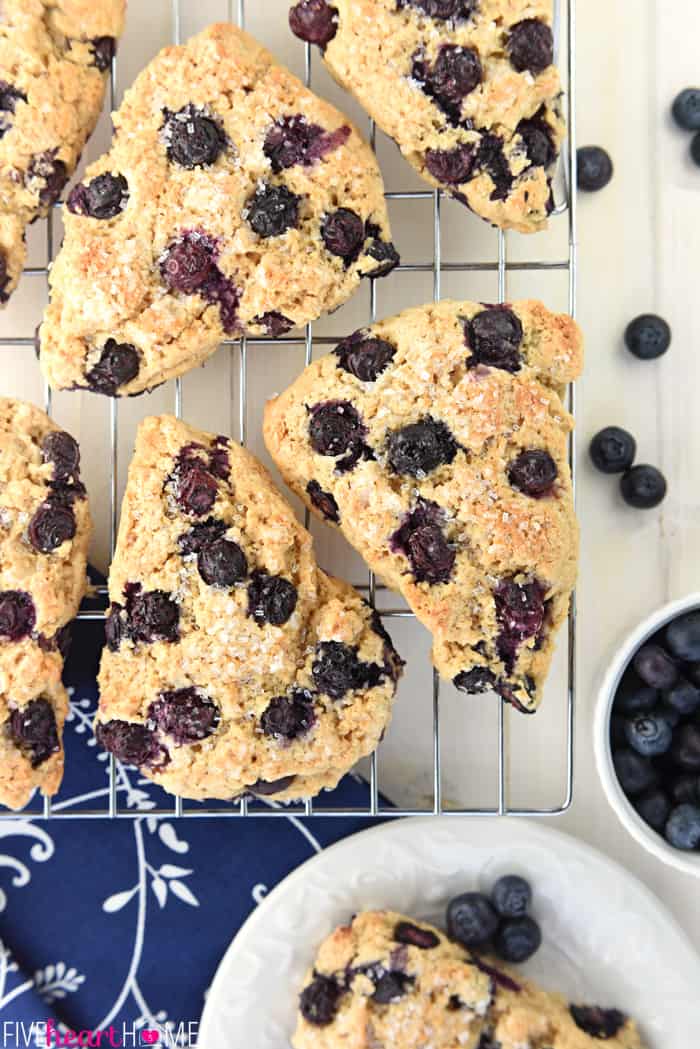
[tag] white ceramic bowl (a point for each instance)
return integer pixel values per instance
(689, 862)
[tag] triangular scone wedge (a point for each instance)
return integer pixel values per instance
(44, 535)
(54, 61)
(233, 201)
(437, 441)
(233, 663)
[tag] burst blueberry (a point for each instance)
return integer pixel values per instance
(131, 744)
(186, 714)
(271, 599)
(337, 669)
(536, 133)
(455, 73)
(104, 197)
(288, 717)
(323, 501)
(415, 936)
(17, 615)
(520, 612)
(343, 233)
(533, 472)
(597, 1022)
(364, 356)
(272, 210)
(103, 51)
(451, 166)
(51, 525)
(118, 364)
(33, 729)
(475, 681)
(314, 21)
(153, 615)
(335, 428)
(193, 138)
(419, 448)
(530, 46)
(495, 336)
(62, 451)
(222, 563)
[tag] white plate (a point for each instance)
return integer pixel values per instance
(607, 939)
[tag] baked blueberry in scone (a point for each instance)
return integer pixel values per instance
(54, 61)
(233, 663)
(233, 201)
(44, 534)
(466, 88)
(437, 442)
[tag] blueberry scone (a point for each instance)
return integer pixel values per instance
(44, 534)
(233, 201)
(54, 57)
(467, 88)
(233, 663)
(437, 442)
(388, 981)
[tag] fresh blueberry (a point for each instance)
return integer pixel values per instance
(649, 734)
(695, 149)
(314, 21)
(415, 936)
(118, 364)
(511, 896)
(635, 773)
(636, 701)
(686, 109)
(364, 356)
(188, 264)
(683, 637)
(153, 615)
(655, 666)
(517, 939)
(33, 728)
(456, 72)
(471, 919)
(594, 168)
(103, 51)
(647, 336)
(222, 563)
(643, 487)
(272, 210)
(323, 501)
(451, 166)
(531, 46)
(684, 698)
(420, 538)
(343, 233)
(185, 714)
(50, 526)
(337, 669)
(686, 748)
(495, 336)
(335, 428)
(131, 744)
(597, 1022)
(520, 612)
(271, 599)
(533, 472)
(654, 808)
(613, 450)
(288, 717)
(193, 139)
(684, 788)
(475, 681)
(104, 197)
(683, 827)
(62, 451)
(539, 144)
(17, 615)
(419, 448)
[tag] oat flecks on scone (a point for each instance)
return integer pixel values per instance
(437, 441)
(233, 662)
(44, 534)
(233, 201)
(387, 980)
(54, 58)
(467, 89)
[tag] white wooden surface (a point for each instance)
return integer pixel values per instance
(639, 245)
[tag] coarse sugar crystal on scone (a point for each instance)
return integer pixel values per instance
(384, 980)
(233, 201)
(233, 663)
(468, 89)
(436, 441)
(54, 61)
(44, 534)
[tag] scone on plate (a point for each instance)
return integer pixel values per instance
(387, 981)
(436, 441)
(54, 59)
(44, 534)
(233, 663)
(233, 201)
(466, 88)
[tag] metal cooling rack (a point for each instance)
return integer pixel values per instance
(376, 805)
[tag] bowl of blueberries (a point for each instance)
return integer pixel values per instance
(647, 734)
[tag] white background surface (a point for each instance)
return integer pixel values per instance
(639, 246)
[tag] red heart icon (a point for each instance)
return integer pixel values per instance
(149, 1037)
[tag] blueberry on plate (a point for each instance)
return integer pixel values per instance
(635, 773)
(594, 168)
(518, 939)
(511, 896)
(639, 701)
(613, 450)
(647, 336)
(686, 109)
(649, 734)
(686, 748)
(655, 667)
(643, 487)
(471, 919)
(683, 827)
(684, 698)
(654, 808)
(683, 637)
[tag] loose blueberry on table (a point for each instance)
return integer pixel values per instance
(648, 336)
(654, 733)
(594, 168)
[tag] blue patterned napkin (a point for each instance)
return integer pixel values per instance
(118, 926)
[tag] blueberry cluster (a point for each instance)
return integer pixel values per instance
(655, 732)
(500, 922)
(686, 113)
(612, 451)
